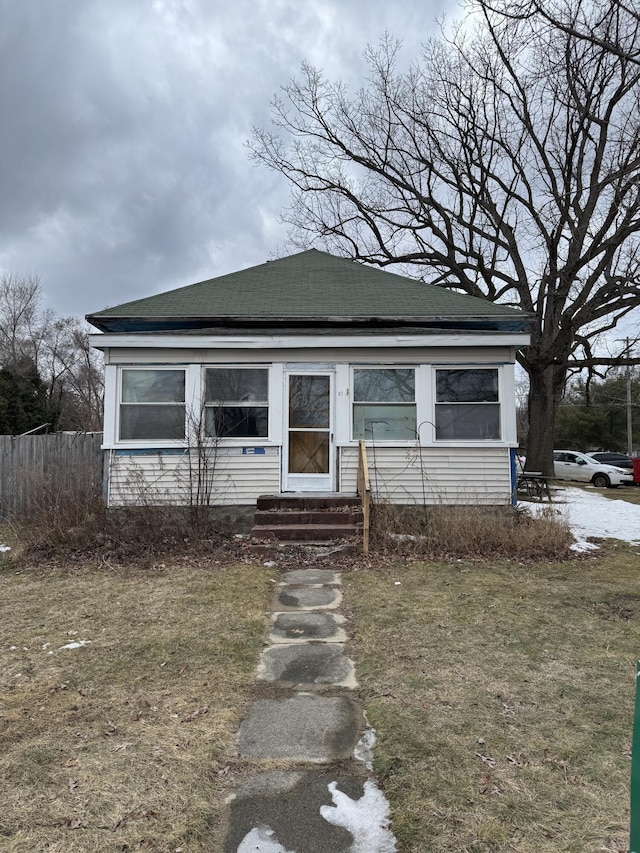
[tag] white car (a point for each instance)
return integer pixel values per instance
(572, 465)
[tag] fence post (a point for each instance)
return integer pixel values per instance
(634, 835)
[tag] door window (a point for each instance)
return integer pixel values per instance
(309, 424)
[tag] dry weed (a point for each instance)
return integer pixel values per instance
(439, 532)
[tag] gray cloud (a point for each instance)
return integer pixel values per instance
(123, 164)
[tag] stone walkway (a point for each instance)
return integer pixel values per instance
(308, 794)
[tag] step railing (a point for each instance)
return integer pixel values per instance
(364, 492)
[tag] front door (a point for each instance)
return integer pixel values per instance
(309, 451)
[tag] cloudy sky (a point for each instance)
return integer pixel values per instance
(123, 161)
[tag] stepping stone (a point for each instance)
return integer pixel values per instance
(304, 728)
(305, 625)
(305, 665)
(308, 598)
(283, 808)
(312, 576)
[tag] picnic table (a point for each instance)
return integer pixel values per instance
(534, 484)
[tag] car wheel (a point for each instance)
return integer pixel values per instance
(601, 481)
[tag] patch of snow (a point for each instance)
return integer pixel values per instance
(367, 819)
(261, 840)
(45, 646)
(4, 548)
(590, 514)
(364, 748)
(77, 645)
(12, 648)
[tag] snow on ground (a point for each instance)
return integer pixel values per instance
(590, 514)
(4, 548)
(79, 644)
(263, 840)
(367, 819)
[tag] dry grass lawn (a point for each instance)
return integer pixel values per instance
(122, 744)
(501, 690)
(502, 694)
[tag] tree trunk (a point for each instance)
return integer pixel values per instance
(546, 383)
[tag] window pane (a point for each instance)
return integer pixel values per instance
(384, 423)
(236, 385)
(384, 386)
(153, 386)
(479, 420)
(467, 386)
(309, 401)
(138, 422)
(237, 421)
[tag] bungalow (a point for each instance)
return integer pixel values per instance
(265, 381)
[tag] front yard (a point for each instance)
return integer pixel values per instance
(503, 699)
(501, 691)
(120, 695)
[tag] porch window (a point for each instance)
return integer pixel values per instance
(467, 404)
(236, 402)
(384, 404)
(152, 404)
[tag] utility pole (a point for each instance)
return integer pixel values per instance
(629, 408)
(627, 354)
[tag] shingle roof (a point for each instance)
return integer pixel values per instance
(308, 286)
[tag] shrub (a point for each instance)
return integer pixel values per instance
(70, 517)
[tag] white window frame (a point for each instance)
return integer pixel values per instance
(270, 406)
(150, 442)
(391, 442)
(457, 442)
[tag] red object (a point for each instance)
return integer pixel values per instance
(636, 469)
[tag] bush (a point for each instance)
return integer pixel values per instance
(72, 518)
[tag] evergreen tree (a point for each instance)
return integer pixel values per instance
(593, 416)
(24, 403)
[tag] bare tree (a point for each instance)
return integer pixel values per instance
(504, 163)
(74, 373)
(57, 348)
(19, 307)
(582, 19)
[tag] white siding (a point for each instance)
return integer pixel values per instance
(157, 472)
(153, 478)
(432, 475)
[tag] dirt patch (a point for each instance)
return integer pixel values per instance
(624, 607)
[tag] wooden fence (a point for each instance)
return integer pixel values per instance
(33, 468)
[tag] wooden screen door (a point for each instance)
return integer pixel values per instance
(309, 452)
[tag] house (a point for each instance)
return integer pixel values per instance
(282, 369)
